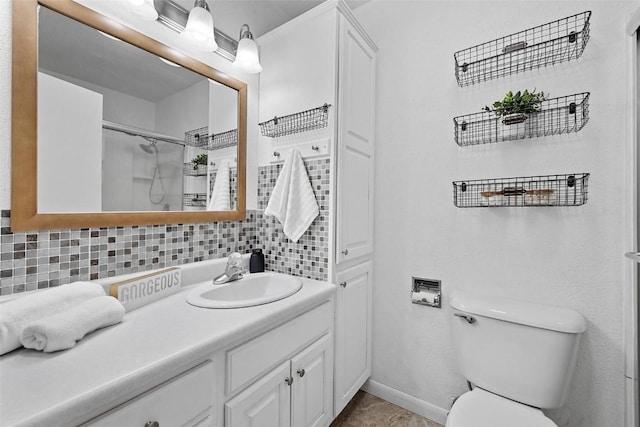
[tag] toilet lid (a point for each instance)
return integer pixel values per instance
(479, 408)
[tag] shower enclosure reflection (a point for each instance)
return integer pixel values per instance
(140, 173)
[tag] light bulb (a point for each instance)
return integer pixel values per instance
(199, 28)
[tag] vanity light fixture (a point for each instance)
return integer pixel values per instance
(247, 54)
(199, 29)
(144, 9)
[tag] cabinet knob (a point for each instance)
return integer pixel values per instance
(343, 284)
(345, 252)
(152, 424)
(288, 380)
(301, 372)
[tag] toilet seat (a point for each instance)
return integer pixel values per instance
(479, 408)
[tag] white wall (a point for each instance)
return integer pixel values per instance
(299, 73)
(5, 104)
(571, 257)
(69, 147)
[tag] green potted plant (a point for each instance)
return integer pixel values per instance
(516, 108)
(200, 159)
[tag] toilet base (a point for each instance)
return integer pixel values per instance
(480, 408)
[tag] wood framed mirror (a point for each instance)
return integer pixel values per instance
(36, 175)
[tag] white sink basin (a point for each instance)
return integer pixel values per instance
(252, 289)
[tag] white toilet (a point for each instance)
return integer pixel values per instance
(519, 356)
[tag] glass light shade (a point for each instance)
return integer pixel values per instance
(247, 56)
(144, 9)
(199, 29)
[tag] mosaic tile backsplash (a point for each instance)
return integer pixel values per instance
(40, 259)
(309, 257)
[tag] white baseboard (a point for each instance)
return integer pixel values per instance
(413, 404)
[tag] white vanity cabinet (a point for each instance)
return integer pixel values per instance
(285, 376)
(295, 394)
(182, 401)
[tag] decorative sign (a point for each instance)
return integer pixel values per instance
(142, 290)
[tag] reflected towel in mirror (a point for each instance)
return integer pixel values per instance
(293, 202)
(220, 195)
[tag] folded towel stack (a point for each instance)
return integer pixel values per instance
(62, 330)
(16, 315)
(293, 202)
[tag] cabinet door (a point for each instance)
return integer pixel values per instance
(312, 388)
(356, 103)
(353, 332)
(267, 403)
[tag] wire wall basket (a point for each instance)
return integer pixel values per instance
(194, 199)
(223, 140)
(548, 44)
(556, 116)
(193, 169)
(315, 118)
(197, 137)
(546, 190)
(200, 138)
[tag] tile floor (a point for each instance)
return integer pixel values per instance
(366, 410)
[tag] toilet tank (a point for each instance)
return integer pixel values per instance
(519, 350)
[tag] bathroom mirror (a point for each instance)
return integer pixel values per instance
(100, 141)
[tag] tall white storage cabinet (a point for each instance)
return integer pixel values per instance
(325, 56)
(354, 211)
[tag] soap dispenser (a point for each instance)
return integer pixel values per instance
(256, 262)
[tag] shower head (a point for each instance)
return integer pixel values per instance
(150, 147)
(147, 148)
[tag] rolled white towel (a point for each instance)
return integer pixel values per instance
(62, 330)
(16, 314)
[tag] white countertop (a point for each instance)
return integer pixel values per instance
(112, 365)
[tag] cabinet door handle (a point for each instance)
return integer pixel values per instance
(152, 424)
(301, 372)
(343, 284)
(288, 380)
(345, 252)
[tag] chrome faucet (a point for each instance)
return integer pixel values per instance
(233, 271)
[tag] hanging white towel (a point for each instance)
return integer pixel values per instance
(16, 314)
(220, 198)
(292, 201)
(62, 330)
